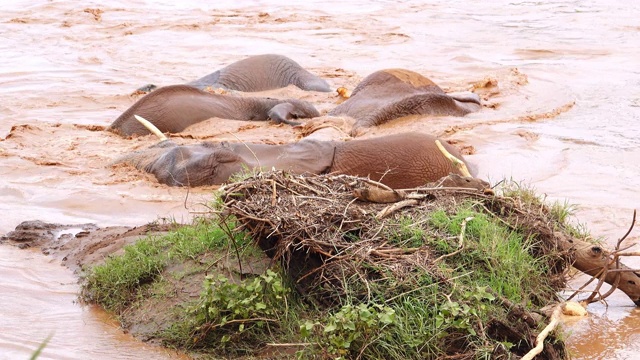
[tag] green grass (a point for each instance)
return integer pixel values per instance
(114, 283)
(497, 256)
(406, 233)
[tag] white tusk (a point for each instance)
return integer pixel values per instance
(456, 162)
(150, 127)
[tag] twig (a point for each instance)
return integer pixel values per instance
(624, 270)
(596, 291)
(395, 207)
(555, 319)
(585, 285)
(273, 195)
(376, 183)
(409, 292)
(225, 227)
(241, 321)
(633, 222)
(248, 148)
(463, 227)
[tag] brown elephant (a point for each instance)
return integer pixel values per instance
(393, 93)
(174, 108)
(399, 161)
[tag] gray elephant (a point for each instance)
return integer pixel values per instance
(259, 73)
(174, 108)
(393, 93)
(398, 161)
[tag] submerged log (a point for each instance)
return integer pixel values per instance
(587, 257)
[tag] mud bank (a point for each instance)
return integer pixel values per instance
(78, 246)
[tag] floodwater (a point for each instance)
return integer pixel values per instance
(565, 118)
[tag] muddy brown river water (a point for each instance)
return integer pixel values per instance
(564, 117)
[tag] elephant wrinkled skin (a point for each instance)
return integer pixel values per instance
(174, 108)
(394, 93)
(398, 161)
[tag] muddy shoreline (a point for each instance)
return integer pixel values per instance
(81, 245)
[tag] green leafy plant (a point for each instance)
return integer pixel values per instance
(351, 328)
(230, 310)
(459, 315)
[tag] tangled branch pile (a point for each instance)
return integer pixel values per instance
(329, 239)
(336, 246)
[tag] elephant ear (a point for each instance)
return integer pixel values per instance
(224, 154)
(282, 112)
(206, 165)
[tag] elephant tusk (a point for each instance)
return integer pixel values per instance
(154, 130)
(456, 162)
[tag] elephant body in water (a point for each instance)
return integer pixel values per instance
(174, 108)
(394, 93)
(380, 97)
(260, 73)
(398, 161)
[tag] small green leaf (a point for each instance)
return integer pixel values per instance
(330, 328)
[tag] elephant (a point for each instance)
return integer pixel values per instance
(258, 73)
(174, 108)
(399, 161)
(394, 93)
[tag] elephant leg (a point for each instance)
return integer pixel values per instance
(465, 96)
(467, 101)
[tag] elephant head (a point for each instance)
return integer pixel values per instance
(211, 163)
